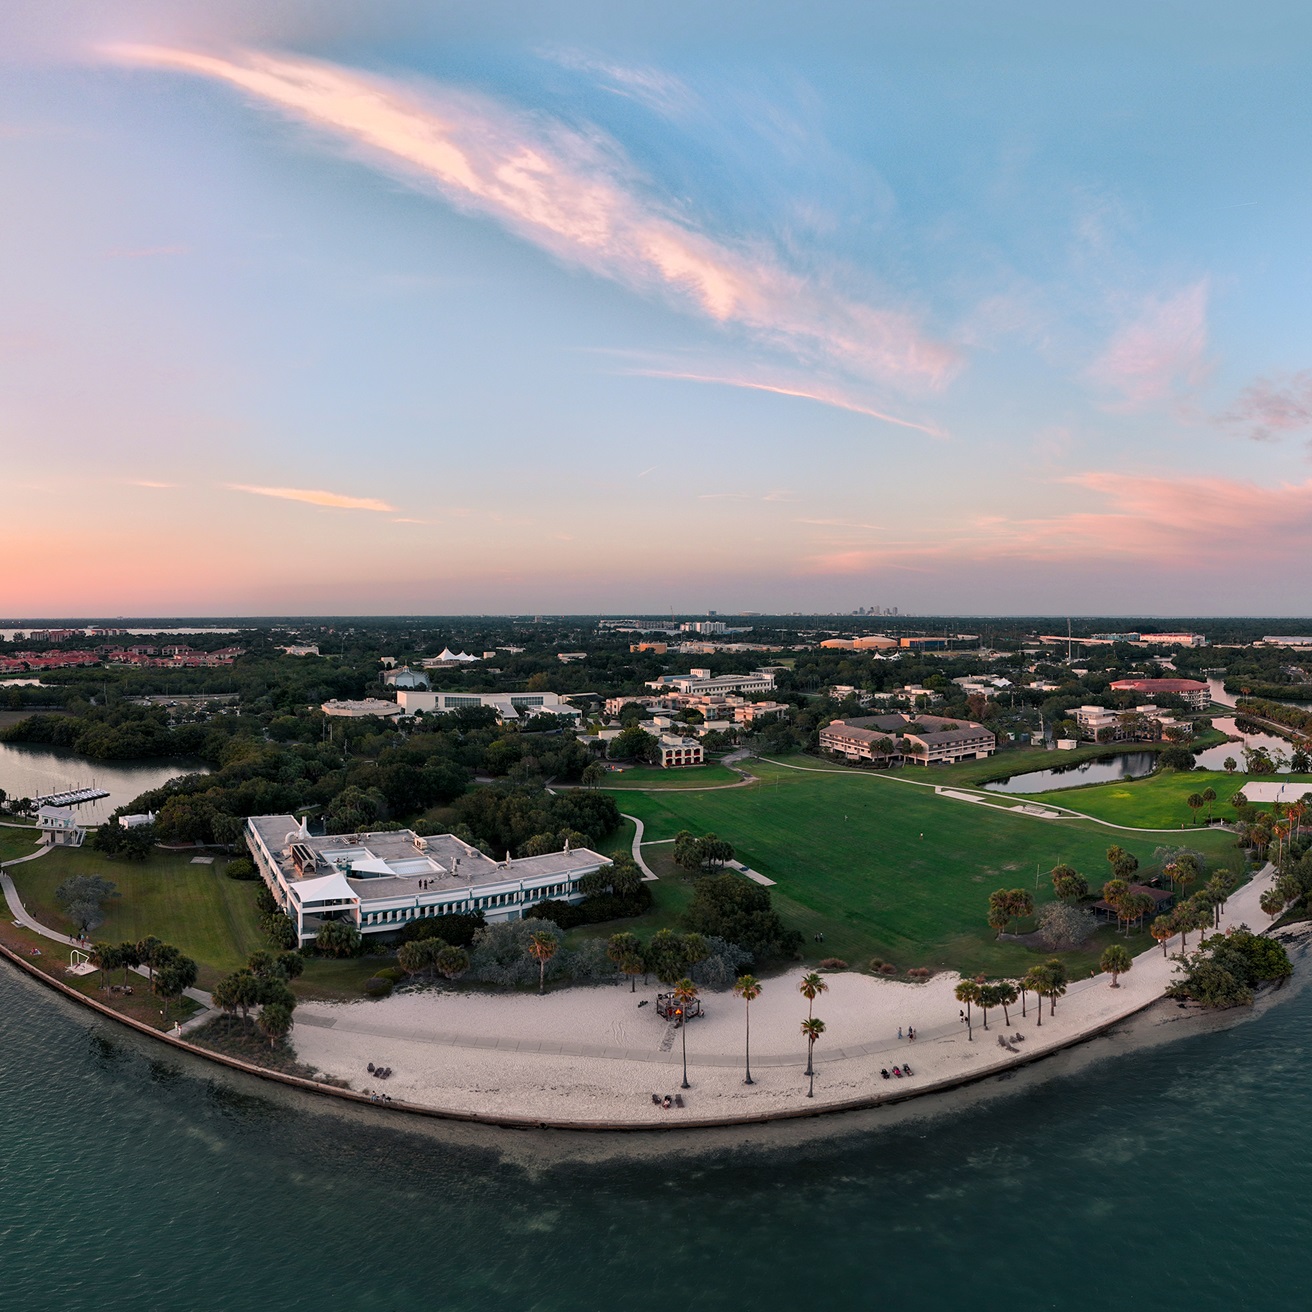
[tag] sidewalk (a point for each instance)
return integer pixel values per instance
(22, 917)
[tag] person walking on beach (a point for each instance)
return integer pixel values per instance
(899, 1031)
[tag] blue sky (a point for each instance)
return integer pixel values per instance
(978, 307)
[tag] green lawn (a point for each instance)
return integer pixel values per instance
(211, 918)
(884, 868)
(16, 842)
(1158, 802)
(688, 776)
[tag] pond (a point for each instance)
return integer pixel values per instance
(26, 771)
(1124, 765)
(1134, 765)
(1213, 758)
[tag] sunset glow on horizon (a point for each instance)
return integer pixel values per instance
(338, 310)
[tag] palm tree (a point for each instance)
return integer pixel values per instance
(988, 997)
(1163, 929)
(1006, 994)
(748, 988)
(104, 956)
(1209, 796)
(1037, 979)
(1195, 804)
(810, 988)
(813, 1027)
(622, 948)
(967, 991)
(685, 992)
(1271, 902)
(1055, 973)
(1116, 960)
(1229, 765)
(542, 947)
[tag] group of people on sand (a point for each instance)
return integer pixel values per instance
(910, 1034)
(898, 1072)
(667, 1102)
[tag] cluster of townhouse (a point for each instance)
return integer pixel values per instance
(379, 882)
(29, 662)
(162, 657)
(900, 739)
(171, 658)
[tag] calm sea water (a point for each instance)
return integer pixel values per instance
(1167, 1177)
(29, 771)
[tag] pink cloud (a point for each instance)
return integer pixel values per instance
(1159, 354)
(1270, 408)
(573, 195)
(1154, 520)
(823, 397)
(316, 497)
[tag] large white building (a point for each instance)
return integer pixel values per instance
(702, 682)
(358, 710)
(381, 882)
(508, 705)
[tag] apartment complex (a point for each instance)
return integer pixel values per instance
(1140, 724)
(1195, 694)
(677, 750)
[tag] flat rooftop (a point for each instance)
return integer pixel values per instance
(399, 863)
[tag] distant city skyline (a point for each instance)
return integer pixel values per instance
(346, 309)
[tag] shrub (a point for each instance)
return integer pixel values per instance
(1064, 925)
(888, 968)
(919, 973)
(833, 963)
(280, 930)
(738, 911)
(394, 973)
(458, 929)
(241, 867)
(377, 987)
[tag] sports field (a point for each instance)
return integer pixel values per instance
(211, 918)
(884, 868)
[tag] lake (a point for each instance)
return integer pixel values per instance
(27, 770)
(1171, 1177)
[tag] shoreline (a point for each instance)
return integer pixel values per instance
(523, 1087)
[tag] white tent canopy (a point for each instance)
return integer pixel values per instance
(328, 888)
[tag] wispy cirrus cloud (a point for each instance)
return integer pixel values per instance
(316, 497)
(1158, 520)
(661, 92)
(821, 396)
(574, 195)
(146, 482)
(1158, 355)
(1270, 408)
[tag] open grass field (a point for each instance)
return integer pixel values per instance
(1158, 801)
(16, 842)
(209, 917)
(883, 868)
(652, 776)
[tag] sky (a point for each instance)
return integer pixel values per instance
(322, 307)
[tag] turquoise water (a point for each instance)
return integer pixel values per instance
(1166, 1177)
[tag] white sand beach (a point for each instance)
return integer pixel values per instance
(593, 1055)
